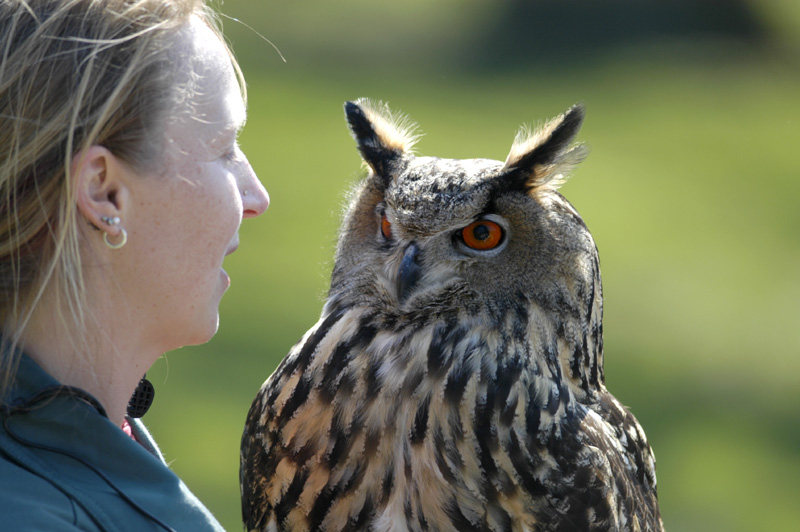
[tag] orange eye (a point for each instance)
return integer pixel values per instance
(386, 227)
(482, 235)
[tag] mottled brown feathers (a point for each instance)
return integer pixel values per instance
(450, 386)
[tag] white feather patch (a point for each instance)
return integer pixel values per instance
(528, 139)
(552, 175)
(395, 130)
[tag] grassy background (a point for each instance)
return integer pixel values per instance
(691, 191)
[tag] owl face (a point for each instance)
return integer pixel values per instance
(427, 233)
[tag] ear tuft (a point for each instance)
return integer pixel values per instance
(546, 157)
(382, 136)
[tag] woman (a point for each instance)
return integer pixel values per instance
(121, 192)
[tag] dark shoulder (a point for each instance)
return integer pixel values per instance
(621, 429)
(601, 473)
(613, 469)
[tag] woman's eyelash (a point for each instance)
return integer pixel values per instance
(232, 153)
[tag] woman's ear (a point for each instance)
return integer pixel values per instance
(101, 191)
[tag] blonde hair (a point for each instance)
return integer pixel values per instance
(73, 73)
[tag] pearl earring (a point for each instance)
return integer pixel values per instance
(112, 221)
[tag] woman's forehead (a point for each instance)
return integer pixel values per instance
(212, 103)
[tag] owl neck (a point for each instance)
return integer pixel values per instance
(560, 346)
(579, 334)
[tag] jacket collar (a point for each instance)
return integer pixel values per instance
(33, 387)
(64, 435)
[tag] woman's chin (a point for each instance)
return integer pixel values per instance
(205, 333)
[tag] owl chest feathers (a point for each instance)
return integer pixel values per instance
(450, 426)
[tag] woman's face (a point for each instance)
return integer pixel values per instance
(185, 221)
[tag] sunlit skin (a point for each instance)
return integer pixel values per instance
(184, 221)
(162, 289)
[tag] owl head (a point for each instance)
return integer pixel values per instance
(428, 235)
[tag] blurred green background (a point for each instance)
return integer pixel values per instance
(691, 191)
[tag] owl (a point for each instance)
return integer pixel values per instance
(454, 381)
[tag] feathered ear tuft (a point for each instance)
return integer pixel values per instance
(545, 158)
(382, 135)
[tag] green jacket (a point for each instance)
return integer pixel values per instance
(64, 466)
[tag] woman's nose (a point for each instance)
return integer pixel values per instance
(255, 199)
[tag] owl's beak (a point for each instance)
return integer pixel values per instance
(409, 272)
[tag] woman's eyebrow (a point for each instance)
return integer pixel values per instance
(233, 129)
